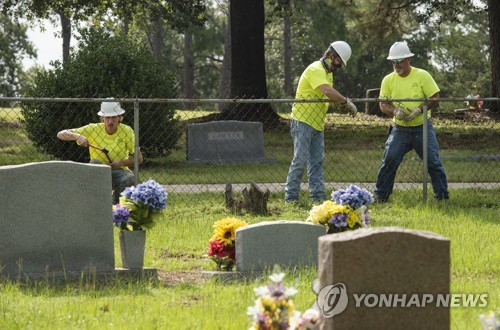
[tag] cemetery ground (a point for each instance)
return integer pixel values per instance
(182, 298)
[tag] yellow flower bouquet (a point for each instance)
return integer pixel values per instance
(221, 248)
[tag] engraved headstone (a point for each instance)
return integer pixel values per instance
(226, 142)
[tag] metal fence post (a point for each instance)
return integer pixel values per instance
(424, 150)
(136, 144)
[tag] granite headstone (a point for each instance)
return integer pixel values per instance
(226, 142)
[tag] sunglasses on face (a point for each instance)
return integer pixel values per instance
(397, 61)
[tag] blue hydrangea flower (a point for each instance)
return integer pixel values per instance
(353, 196)
(149, 193)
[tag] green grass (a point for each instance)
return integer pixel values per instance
(178, 244)
(353, 152)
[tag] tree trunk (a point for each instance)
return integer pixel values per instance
(287, 27)
(188, 79)
(248, 67)
(494, 22)
(225, 81)
(66, 35)
(157, 42)
(125, 26)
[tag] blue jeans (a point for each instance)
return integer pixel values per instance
(120, 179)
(308, 149)
(400, 142)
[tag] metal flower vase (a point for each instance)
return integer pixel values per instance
(132, 244)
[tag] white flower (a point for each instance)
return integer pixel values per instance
(489, 322)
(277, 278)
(290, 292)
(261, 291)
(309, 320)
(294, 320)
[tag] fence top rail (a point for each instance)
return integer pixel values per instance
(159, 100)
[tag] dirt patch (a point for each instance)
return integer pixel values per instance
(176, 277)
(468, 115)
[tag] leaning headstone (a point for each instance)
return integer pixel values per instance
(383, 278)
(55, 219)
(288, 243)
(226, 142)
(373, 108)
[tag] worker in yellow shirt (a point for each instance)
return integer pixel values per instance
(308, 121)
(110, 142)
(407, 81)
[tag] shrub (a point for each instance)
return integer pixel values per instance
(104, 66)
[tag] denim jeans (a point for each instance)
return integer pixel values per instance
(120, 179)
(400, 142)
(308, 149)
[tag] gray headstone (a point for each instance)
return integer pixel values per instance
(388, 261)
(226, 142)
(288, 243)
(55, 217)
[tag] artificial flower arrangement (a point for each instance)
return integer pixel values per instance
(140, 206)
(274, 308)
(221, 247)
(347, 211)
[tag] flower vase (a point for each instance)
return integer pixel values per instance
(132, 244)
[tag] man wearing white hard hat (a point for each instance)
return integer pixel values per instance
(110, 142)
(308, 121)
(408, 82)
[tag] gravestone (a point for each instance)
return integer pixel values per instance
(226, 142)
(56, 218)
(288, 243)
(373, 108)
(390, 266)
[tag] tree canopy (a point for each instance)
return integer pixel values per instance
(14, 46)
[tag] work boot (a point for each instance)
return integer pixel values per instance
(380, 199)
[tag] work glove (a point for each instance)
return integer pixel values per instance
(413, 113)
(401, 114)
(350, 107)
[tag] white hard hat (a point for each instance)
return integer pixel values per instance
(343, 50)
(399, 50)
(110, 109)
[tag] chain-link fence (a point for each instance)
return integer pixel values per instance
(196, 146)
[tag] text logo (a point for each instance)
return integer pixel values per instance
(332, 299)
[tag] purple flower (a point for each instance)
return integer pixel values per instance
(277, 290)
(338, 220)
(367, 219)
(120, 216)
(353, 196)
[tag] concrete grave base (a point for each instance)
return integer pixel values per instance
(73, 276)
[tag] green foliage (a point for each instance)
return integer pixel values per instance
(104, 66)
(461, 53)
(14, 45)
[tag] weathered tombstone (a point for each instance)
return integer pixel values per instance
(226, 142)
(372, 108)
(288, 243)
(390, 267)
(254, 199)
(55, 219)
